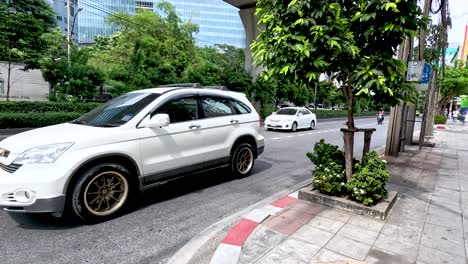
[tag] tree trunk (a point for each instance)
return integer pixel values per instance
(8, 78)
(349, 132)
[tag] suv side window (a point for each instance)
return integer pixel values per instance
(215, 107)
(180, 110)
(240, 108)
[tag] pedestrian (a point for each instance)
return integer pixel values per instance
(452, 118)
(462, 118)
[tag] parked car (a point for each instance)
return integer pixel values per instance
(291, 118)
(97, 164)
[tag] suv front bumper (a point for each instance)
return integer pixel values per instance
(37, 188)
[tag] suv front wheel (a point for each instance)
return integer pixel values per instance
(242, 160)
(101, 193)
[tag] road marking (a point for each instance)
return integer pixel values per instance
(300, 135)
(275, 138)
(290, 136)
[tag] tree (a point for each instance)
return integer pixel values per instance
(453, 84)
(22, 23)
(151, 48)
(356, 40)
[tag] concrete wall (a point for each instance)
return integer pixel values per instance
(25, 86)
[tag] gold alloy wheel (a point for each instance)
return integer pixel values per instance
(245, 160)
(106, 193)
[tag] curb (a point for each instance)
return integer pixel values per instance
(230, 249)
(188, 251)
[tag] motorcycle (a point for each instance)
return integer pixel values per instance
(380, 118)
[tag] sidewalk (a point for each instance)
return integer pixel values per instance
(427, 225)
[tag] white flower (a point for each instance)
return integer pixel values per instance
(362, 191)
(384, 161)
(342, 183)
(354, 189)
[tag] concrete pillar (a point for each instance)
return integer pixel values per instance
(250, 21)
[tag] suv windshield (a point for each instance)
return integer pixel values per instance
(118, 111)
(289, 111)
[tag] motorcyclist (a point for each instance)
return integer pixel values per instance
(380, 116)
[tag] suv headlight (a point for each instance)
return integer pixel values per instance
(43, 154)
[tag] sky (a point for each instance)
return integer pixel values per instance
(459, 15)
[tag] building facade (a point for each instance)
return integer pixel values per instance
(219, 22)
(24, 85)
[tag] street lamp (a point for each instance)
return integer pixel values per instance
(70, 27)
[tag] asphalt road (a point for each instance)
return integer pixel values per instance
(169, 216)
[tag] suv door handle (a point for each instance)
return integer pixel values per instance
(194, 126)
(234, 121)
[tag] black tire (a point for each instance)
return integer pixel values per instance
(237, 157)
(269, 129)
(294, 127)
(312, 125)
(120, 184)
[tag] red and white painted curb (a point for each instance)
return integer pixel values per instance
(440, 127)
(229, 251)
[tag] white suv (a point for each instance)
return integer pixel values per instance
(97, 163)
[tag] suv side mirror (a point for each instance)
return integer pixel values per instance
(300, 114)
(157, 121)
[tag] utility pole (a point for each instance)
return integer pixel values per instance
(396, 129)
(68, 31)
(410, 121)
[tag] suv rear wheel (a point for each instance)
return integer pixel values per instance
(242, 160)
(101, 193)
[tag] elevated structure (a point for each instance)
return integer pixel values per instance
(250, 22)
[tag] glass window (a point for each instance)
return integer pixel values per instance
(214, 107)
(240, 108)
(287, 111)
(180, 110)
(306, 111)
(118, 111)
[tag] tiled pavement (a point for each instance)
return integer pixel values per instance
(428, 224)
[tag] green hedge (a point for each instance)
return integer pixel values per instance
(42, 107)
(339, 113)
(440, 119)
(33, 120)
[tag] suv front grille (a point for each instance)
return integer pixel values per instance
(10, 168)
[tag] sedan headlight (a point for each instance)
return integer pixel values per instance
(43, 154)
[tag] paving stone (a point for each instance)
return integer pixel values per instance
(464, 185)
(327, 256)
(398, 243)
(408, 235)
(365, 236)
(289, 221)
(444, 239)
(443, 216)
(307, 207)
(449, 184)
(446, 200)
(380, 256)
(348, 247)
(259, 243)
(366, 223)
(447, 193)
(313, 235)
(291, 251)
(325, 224)
(434, 256)
(335, 215)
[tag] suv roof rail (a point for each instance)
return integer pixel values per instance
(192, 85)
(222, 88)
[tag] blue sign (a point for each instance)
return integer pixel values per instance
(426, 76)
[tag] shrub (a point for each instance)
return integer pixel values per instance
(330, 179)
(368, 184)
(440, 119)
(325, 153)
(329, 163)
(33, 120)
(42, 107)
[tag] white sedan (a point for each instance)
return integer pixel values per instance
(291, 118)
